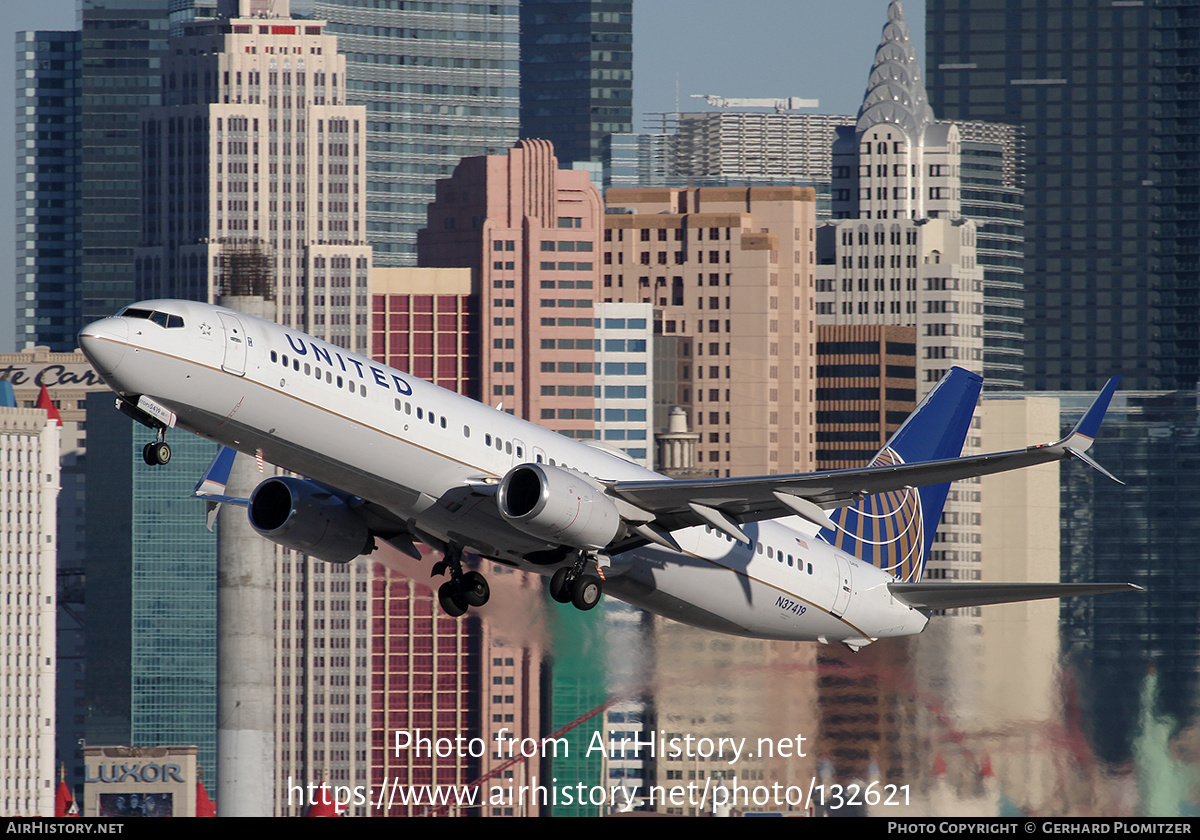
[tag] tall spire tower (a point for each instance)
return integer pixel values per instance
(905, 173)
(902, 254)
(895, 90)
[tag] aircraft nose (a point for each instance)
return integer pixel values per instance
(104, 343)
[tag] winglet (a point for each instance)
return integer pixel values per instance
(217, 475)
(1085, 430)
(211, 487)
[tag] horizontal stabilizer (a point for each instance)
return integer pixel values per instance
(947, 595)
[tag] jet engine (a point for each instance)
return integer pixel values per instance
(559, 506)
(305, 516)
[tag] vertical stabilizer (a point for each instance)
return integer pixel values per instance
(895, 530)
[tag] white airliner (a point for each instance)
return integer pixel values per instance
(389, 457)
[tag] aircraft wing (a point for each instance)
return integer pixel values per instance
(689, 502)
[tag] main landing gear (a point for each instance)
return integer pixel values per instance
(575, 585)
(157, 453)
(464, 589)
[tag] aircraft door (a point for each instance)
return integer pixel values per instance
(235, 344)
(841, 597)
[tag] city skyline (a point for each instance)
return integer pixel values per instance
(943, 684)
(818, 41)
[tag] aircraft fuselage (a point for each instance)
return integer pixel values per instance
(432, 458)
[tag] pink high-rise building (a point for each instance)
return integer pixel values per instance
(530, 233)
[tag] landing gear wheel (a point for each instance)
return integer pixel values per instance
(156, 453)
(452, 599)
(475, 589)
(560, 588)
(586, 591)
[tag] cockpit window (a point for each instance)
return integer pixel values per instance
(171, 322)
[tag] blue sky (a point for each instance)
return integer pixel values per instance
(814, 49)
(763, 49)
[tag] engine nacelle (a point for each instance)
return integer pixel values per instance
(558, 506)
(304, 516)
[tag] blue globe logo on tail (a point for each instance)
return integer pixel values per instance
(886, 530)
(895, 530)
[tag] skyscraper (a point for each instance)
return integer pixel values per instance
(124, 44)
(1106, 95)
(904, 254)
(531, 233)
(1104, 101)
(29, 444)
(576, 74)
(152, 598)
(255, 162)
(48, 193)
(439, 82)
(729, 148)
(732, 268)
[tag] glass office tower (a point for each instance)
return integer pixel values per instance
(576, 74)
(151, 659)
(1107, 99)
(124, 42)
(79, 97)
(439, 83)
(47, 208)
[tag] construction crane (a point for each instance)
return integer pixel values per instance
(792, 103)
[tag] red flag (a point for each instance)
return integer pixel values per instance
(46, 403)
(205, 807)
(323, 806)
